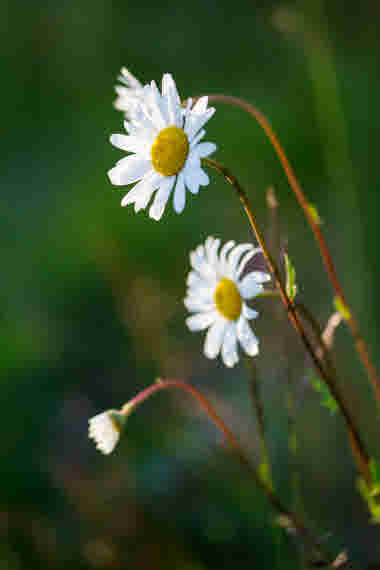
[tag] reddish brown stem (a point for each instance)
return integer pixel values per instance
(358, 449)
(289, 520)
(360, 344)
(217, 420)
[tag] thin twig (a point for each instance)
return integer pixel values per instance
(287, 519)
(359, 342)
(258, 405)
(359, 452)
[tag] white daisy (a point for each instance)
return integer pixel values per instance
(104, 429)
(129, 94)
(216, 295)
(165, 139)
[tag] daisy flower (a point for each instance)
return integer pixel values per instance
(217, 295)
(129, 94)
(165, 140)
(104, 429)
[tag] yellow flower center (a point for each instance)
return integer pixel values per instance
(228, 300)
(169, 151)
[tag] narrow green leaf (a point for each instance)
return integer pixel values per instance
(341, 308)
(327, 400)
(314, 214)
(265, 476)
(291, 287)
(293, 443)
(370, 496)
(374, 468)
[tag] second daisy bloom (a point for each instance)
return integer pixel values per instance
(217, 294)
(165, 140)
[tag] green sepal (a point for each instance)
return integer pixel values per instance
(291, 287)
(118, 419)
(327, 400)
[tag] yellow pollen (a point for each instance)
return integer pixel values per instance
(228, 300)
(169, 151)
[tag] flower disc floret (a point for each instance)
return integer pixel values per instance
(228, 300)
(169, 151)
(217, 292)
(165, 141)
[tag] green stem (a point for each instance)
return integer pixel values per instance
(265, 462)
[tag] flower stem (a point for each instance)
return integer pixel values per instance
(359, 342)
(265, 462)
(357, 445)
(289, 520)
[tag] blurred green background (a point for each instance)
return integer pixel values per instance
(92, 293)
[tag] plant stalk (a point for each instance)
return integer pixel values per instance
(289, 520)
(359, 342)
(358, 449)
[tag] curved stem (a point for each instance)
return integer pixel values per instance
(360, 344)
(217, 420)
(288, 518)
(357, 445)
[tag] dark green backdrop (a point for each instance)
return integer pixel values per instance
(92, 293)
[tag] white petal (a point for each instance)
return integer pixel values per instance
(214, 337)
(195, 305)
(179, 199)
(191, 181)
(201, 105)
(104, 432)
(249, 287)
(204, 293)
(208, 243)
(149, 183)
(212, 251)
(229, 347)
(197, 257)
(194, 280)
(248, 313)
(201, 321)
(134, 194)
(235, 255)
(146, 193)
(171, 97)
(195, 140)
(197, 121)
(261, 276)
(205, 149)
(244, 260)
(132, 168)
(223, 256)
(161, 198)
(246, 337)
(129, 79)
(200, 263)
(156, 109)
(169, 86)
(127, 143)
(198, 176)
